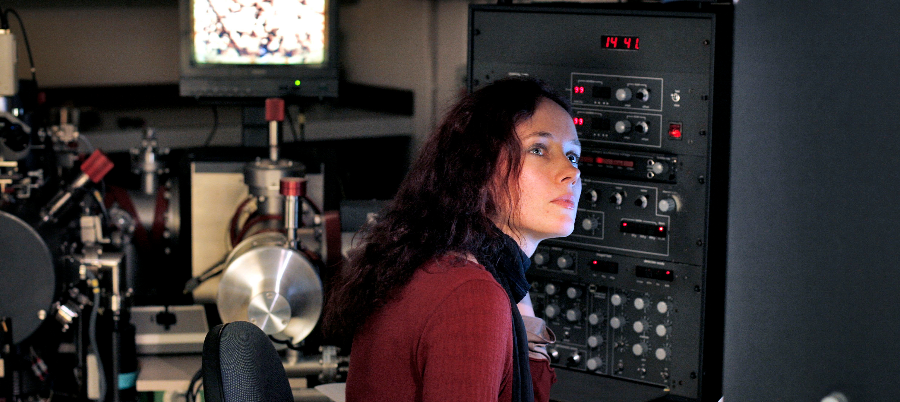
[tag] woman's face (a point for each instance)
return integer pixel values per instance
(549, 184)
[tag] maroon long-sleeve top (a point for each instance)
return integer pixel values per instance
(448, 336)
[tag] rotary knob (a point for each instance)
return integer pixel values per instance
(639, 349)
(554, 355)
(623, 126)
(617, 198)
(623, 94)
(662, 353)
(662, 307)
(662, 330)
(594, 340)
(657, 167)
(574, 360)
(616, 322)
(616, 299)
(641, 202)
(564, 261)
(639, 326)
(551, 311)
(641, 127)
(594, 319)
(573, 315)
(667, 205)
(640, 303)
(550, 289)
(594, 363)
(541, 258)
(591, 195)
(573, 293)
(642, 94)
(589, 223)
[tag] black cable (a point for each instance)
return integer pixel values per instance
(291, 124)
(25, 37)
(210, 272)
(286, 343)
(4, 23)
(191, 394)
(215, 126)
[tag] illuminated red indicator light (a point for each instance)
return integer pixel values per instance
(662, 228)
(675, 131)
(579, 121)
(624, 224)
(578, 90)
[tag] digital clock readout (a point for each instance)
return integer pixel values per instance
(621, 42)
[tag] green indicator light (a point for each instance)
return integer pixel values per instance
(296, 83)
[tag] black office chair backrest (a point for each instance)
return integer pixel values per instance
(240, 364)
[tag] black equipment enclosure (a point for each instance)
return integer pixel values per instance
(636, 294)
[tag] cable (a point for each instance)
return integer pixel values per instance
(87, 143)
(287, 343)
(24, 36)
(191, 394)
(4, 22)
(215, 127)
(291, 125)
(92, 334)
(210, 272)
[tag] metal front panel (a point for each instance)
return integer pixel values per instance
(631, 293)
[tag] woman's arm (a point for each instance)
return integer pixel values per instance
(465, 351)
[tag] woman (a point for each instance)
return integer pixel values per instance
(435, 298)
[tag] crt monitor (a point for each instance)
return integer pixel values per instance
(258, 48)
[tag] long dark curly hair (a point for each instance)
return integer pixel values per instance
(447, 203)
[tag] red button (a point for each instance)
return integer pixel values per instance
(675, 131)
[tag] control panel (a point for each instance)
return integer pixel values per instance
(635, 293)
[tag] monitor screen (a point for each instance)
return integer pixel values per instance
(258, 48)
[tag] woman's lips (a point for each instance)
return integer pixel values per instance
(565, 202)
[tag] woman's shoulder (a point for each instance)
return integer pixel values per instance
(447, 274)
(455, 269)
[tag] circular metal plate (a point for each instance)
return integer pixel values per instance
(265, 274)
(26, 267)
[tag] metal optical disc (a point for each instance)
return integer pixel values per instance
(263, 275)
(26, 267)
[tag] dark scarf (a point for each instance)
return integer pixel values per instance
(508, 265)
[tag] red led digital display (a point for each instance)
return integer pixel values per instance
(614, 162)
(578, 90)
(660, 274)
(643, 228)
(621, 42)
(579, 121)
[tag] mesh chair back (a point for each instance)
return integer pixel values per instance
(240, 364)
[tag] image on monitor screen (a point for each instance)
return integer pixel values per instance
(258, 48)
(259, 32)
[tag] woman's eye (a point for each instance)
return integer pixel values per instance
(537, 151)
(573, 158)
